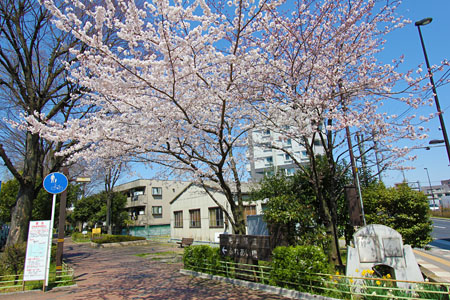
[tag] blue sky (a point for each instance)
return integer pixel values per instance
(437, 41)
(406, 41)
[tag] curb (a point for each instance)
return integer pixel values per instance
(120, 244)
(257, 286)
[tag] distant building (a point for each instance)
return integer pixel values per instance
(148, 204)
(194, 214)
(440, 193)
(264, 159)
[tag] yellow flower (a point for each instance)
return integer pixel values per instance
(337, 272)
(357, 271)
(371, 272)
(388, 276)
(331, 277)
(378, 282)
(351, 280)
(363, 272)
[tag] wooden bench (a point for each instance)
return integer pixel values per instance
(185, 242)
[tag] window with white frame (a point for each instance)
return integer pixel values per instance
(156, 191)
(157, 210)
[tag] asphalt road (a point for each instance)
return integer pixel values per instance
(441, 233)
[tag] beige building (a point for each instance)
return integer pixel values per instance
(148, 204)
(195, 215)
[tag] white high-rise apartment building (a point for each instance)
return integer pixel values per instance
(264, 159)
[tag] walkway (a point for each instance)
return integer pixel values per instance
(436, 261)
(117, 273)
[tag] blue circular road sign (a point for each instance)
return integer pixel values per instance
(55, 183)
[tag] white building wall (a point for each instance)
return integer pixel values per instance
(196, 198)
(264, 158)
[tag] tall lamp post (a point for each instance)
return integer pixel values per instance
(431, 189)
(423, 22)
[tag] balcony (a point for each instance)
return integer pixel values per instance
(135, 201)
(141, 220)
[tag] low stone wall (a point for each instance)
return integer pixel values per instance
(120, 244)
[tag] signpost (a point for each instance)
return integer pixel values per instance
(246, 247)
(54, 183)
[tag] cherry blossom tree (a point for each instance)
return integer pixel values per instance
(196, 76)
(328, 82)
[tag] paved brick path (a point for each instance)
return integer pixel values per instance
(116, 273)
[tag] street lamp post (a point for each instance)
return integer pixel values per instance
(431, 189)
(433, 86)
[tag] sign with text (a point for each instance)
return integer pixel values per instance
(255, 247)
(37, 247)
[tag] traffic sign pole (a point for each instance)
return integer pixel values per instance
(50, 236)
(54, 183)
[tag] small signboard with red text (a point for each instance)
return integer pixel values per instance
(37, 247)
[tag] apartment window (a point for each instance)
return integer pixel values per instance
(287, 156)
(156, 191)
(290, 171)
(194, 218)
(157, 210)
(178, 216)
(266, 132)
(215, 217)
(288, 142)
(269, 160)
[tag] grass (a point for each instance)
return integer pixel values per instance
(157, 253)
(8, 284)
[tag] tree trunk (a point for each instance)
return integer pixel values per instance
(108, 212)
(21, 215)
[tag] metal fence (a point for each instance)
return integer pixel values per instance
(330, 285)
(15, 283)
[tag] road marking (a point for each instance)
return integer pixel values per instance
(432, 257)
(439, 227)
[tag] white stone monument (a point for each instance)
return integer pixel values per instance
(381, 245)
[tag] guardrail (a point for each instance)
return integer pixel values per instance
(329, 285)
(15, 283)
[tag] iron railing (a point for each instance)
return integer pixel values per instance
(331, 285)
(15, 283)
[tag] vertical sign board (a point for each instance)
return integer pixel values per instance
(37, 246)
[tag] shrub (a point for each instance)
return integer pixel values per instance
(202, 258)
(402, 209)
(13, 259)
(294, 267)
(80, 238)
(107, 238)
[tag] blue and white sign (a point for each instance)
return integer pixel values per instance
(55, 183)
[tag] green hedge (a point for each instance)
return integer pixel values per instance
(107, 238)
(295, 265)
(200, 258)
(291, 266)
